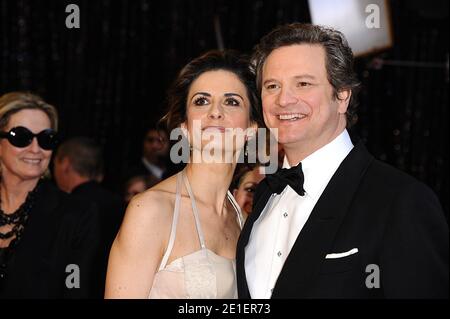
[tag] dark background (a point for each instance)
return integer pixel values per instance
(108, 79)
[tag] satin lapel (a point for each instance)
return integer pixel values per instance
(316, 238)
(262, 195)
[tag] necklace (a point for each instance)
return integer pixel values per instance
(19, 217)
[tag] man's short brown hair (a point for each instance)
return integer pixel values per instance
(338, 61)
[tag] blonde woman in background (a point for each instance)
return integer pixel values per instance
(42, 231)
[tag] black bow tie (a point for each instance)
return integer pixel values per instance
(283, 177)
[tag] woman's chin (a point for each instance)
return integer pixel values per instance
(215, 154)
(30, 175)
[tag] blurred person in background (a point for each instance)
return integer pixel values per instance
(47, 239)
(138, 184)
(243, 186)
(155, 155)
(78, 169)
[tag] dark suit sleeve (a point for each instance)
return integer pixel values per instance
(84, 251)
(414, 256)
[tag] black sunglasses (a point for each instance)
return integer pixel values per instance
(22, 137)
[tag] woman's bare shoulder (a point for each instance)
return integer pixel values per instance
(150, 212)
(166, 186)
(156, 201)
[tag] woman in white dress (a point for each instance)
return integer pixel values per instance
(178, 239)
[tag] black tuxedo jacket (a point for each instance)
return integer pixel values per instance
(395, 222)
(60, 231)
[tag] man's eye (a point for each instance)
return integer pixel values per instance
(303, 84)
(271, 86)
(201, 101)
(232, 102)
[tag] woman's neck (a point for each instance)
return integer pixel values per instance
(210, 182)
(14, 191)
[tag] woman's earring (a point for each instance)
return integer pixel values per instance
(246, 147)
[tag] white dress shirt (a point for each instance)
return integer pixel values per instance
(282, 219)
(155, 170)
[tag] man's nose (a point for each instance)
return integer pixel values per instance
(286, 97)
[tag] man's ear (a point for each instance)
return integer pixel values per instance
(65, 163)
(343, 97)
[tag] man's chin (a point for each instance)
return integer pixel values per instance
(289, 140)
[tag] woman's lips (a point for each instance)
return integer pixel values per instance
(33, 161)
(214, 128)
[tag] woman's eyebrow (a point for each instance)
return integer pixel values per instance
(233, 94)
(202, 93)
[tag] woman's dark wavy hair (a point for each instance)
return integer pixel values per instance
(338, 60)
(228, 60)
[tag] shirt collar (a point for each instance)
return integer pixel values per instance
(320, 166)
(155, 170)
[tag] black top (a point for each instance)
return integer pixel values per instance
(57, 250)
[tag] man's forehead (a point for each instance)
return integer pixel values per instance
(298, 60)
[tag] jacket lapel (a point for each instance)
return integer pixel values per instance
(316, 238)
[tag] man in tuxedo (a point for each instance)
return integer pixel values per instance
(155, 156)
(335, 222)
